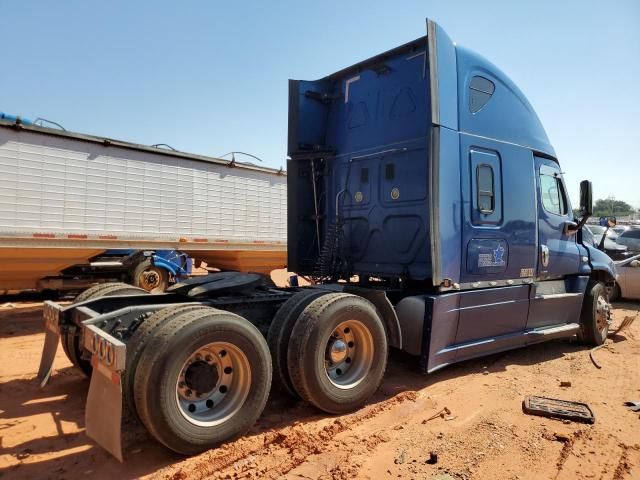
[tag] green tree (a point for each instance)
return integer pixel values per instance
(607, 207)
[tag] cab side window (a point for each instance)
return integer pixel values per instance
(554, 199)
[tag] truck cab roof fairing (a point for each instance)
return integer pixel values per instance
(506, 116)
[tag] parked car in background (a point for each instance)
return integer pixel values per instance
(630, 238)
(618, 229)
(628, 281)
(593, 234)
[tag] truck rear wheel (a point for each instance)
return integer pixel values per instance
(280, 333)
(70, 338)
(595, 315)
(203, 378)
(93, 292)
(139, 340)
(338, 352)
(150, 278)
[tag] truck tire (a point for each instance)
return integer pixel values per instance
(92, 292)
(203, 378)
(149, 277)
(139, 340)
(594, 318)
(338, 352)
(280, 333)
(616, 293)
(70, 338)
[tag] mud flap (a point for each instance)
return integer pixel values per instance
(103, 413)
(51, 314)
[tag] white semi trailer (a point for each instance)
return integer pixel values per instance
(67, 197)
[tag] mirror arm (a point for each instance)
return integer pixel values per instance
(571, 230)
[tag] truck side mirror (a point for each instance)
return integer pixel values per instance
(586, 199)
(586, 208)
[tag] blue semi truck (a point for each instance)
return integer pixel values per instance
(428, 208)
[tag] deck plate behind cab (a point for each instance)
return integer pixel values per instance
(554, 408)
(217, 284)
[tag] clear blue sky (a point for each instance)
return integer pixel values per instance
(209, 77)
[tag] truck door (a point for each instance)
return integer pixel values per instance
(558, 251)
(556, 296)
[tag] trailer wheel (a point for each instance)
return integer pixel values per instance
(596, 315)
(70, 338)
(139, 340)
(150, 278)
(337, 352)
(203, 378)
(280, 333)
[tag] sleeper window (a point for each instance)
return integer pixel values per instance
(486, 198)
(486, 187)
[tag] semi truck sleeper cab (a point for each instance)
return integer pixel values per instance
(429, 209)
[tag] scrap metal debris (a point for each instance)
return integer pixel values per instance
(592, 357)
(442, 414)
(556, 408)
(400, 459)
(626, 323)
(633, 405)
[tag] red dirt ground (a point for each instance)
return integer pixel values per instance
(486, 436)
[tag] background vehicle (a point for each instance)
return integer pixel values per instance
(631, 239)
(611, 248)
(150, 270)
(66, 198)
(618, 229)
(399, 259)
(628, 282)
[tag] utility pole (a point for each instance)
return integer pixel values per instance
(611, 199)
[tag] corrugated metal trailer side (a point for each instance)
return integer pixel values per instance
(61, 190)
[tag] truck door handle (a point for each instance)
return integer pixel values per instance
(544, 255)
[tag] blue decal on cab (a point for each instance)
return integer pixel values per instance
(487, 255)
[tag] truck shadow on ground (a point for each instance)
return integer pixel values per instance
(21, 400)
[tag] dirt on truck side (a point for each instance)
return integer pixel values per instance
(465, 421)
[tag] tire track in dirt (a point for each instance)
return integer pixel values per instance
(625, 464)
(567, 448)
(281, 451)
